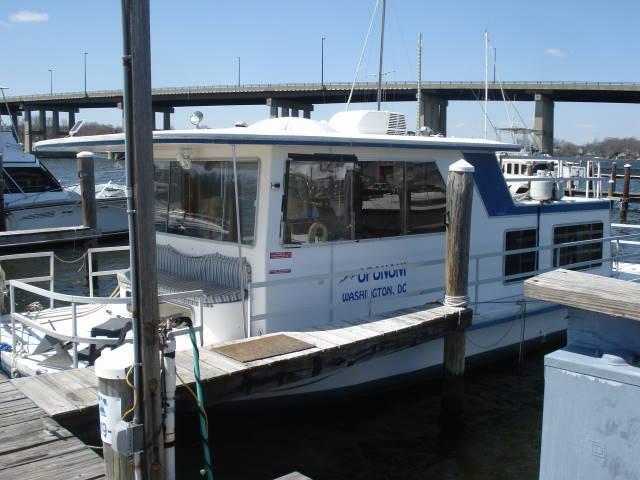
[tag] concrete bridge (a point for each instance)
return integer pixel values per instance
(297, 99)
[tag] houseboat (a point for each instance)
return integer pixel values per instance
(336, 221)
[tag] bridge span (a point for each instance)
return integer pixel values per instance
(299, 99)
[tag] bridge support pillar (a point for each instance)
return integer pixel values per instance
(55, 124)
(166, 120)
(28, 132)
(42, 123)
(72, 119)
(166, 117)
(433, 114)
(14, 119)
(288, 108)
(543, 122)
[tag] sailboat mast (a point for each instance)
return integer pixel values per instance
(419, 89)
(486, 82)
(384, 9)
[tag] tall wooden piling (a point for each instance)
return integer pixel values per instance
(138, 127)
(626, 184)
(3, 224)
(612, 185)
(458, 220)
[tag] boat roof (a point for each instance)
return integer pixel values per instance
(277, 131)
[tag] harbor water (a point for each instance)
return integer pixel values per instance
(393, 434)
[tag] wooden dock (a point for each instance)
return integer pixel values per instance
(34, 446)
(264, 365)
(46, 236)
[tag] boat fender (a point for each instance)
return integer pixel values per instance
(318, 229)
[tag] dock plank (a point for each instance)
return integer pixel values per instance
(334, 346)
(34, 446)
(586, 291)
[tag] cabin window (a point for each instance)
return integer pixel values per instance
(332, 198)
(318, 203)
(31, 180)
(524, 262)
(508, 168)
(198, 199)
(579, 253)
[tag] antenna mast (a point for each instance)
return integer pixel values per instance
(419, 93)
(486, 82)
(384, 5)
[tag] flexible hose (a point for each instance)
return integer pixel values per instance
(204, 424)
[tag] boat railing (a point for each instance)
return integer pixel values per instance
(476, 278)
(74, 301)
(92, 253)
(42, 278)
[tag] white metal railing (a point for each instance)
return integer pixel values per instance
(474, 285)
(101, 273)
(43, 278)
(74, 300)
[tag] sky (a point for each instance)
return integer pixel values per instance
(197, 43)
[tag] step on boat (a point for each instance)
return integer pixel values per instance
(332, 224)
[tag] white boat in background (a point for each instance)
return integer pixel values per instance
(337, 222)
(34, 198)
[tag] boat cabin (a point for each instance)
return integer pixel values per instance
(291, 222)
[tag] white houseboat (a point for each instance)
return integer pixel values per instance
(340, 221)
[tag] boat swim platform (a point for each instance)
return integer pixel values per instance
(237, 369)
(34, 446)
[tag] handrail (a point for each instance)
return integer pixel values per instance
(102, 273)
(43, 278)
(74, 300)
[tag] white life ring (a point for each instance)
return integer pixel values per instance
(314, 229)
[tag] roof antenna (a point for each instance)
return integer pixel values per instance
(384, 5)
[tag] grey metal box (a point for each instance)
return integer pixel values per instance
(591, 422)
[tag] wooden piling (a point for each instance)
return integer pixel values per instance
(86, 174)
(458, 219)
(138, 126)
(612, 185)
(3, 225)
(624, 203)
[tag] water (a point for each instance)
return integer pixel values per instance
(394, 434)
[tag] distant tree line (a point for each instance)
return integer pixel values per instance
(609, 147)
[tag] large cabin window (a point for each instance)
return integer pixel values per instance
(198, 199)
(30, 180)
(335, 197)
(524, 262)
(578, 253)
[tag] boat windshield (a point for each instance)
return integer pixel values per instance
(30, 180)
(198, 199)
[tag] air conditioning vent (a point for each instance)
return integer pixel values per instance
(369, 122)
(397, 124)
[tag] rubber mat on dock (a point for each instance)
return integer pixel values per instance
(263, 347)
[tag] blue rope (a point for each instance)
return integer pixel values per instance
(208, 470)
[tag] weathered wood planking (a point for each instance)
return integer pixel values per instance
(34, 446)
(586, 291)
(335, 346)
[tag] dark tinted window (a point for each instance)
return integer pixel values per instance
(578, 253)
(199, 200)
(380, 194)
(520, 262)
(33, 179)
(343, 199)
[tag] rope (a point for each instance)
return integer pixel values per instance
(460, 301)
(62, 260)
(135, 397)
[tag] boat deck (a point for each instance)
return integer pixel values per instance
(34, 446)
(257, 365)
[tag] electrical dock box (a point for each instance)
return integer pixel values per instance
(591, 421)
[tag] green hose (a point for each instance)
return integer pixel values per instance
(208, 470)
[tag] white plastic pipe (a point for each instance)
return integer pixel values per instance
(169, 361)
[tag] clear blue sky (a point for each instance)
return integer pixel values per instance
(197, 43)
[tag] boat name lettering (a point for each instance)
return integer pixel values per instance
(375, 292)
